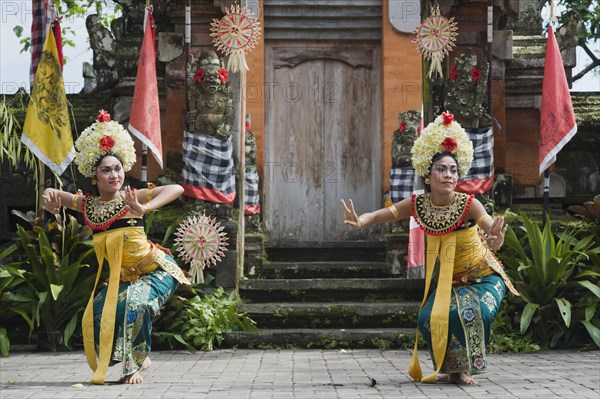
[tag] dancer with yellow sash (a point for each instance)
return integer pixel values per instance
(117, 323)
(455, 318)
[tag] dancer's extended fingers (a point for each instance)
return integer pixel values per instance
(352, 207)
(344, 206)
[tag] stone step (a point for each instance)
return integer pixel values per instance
(333, 315)
(331, 290)
(383, 338)
(316, 269)
(326, 251)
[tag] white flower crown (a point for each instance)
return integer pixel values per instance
(103, 137)
(443, 135)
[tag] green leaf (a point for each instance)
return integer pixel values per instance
(70, 329)
(593, 331)
(587, 273)
(590, 311)
(528, 312)
(565, 310)
(56, 289)
(18, 29)
(590, 286)
(4, 342)
(25, 317)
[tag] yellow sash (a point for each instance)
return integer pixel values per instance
(109, 244)
(443, 247)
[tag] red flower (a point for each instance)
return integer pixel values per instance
(449, 144)
(453, 73)
(199, 76)
(476, 74)
(448, 118)
(402, 126)
(223, 75)
(106, 143)
(103, 116)
(247, 125)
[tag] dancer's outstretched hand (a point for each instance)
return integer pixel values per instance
(495, 237)
(350, 216)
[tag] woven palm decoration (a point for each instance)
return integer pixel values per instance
(235, 35)
(201, 242)
(435, 38)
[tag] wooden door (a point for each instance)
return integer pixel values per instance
(322, 139)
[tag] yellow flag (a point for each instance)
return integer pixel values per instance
(47, 129)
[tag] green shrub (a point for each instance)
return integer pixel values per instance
(557, 275)
(50, 280)
(200, 321)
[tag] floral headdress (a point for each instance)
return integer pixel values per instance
(103, 137)
(443, 135)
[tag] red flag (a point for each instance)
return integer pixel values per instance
(557, 118)
(59, 46)
(415, 258)
(144, 120)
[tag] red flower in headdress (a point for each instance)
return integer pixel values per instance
(402, 126)
(247, 125)
(453, 73)
(449, 144)
(476, 74)
(448, 118)
(223, 75)
(106, 143)
(103, 116)
(199, 76)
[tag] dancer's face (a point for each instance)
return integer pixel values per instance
(110, 176)
(444, 174)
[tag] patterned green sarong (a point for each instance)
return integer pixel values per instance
(472, 311)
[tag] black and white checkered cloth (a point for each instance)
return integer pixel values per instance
(208, 163)
(402, 181)
(43, 14)
(483, 154)
(251, 194)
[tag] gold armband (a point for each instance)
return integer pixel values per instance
(483, 218)
(75, 199)
(151, 187)
(394, 211)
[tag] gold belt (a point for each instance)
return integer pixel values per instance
(482, 269)
(145, 265)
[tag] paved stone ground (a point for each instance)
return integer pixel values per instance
(296, 374)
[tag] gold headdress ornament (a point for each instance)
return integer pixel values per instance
(443, 135)
(103, 137)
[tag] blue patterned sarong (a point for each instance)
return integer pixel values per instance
(473, 309)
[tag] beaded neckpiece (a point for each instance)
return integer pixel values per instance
(99, 215)
(439, 220)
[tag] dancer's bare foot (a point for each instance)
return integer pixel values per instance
(463, 378)
(136, 377)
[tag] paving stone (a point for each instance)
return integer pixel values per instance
(300, 374)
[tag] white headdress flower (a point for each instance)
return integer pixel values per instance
(443, 135)
(103, 137)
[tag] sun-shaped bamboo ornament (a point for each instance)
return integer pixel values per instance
(235, 35)
(201, 242)
(435, 38)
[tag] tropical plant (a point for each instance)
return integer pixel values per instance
(200, 321)
(10, 278)
(589, 209)
(12, 148)
(557, 276)
(54, 261)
